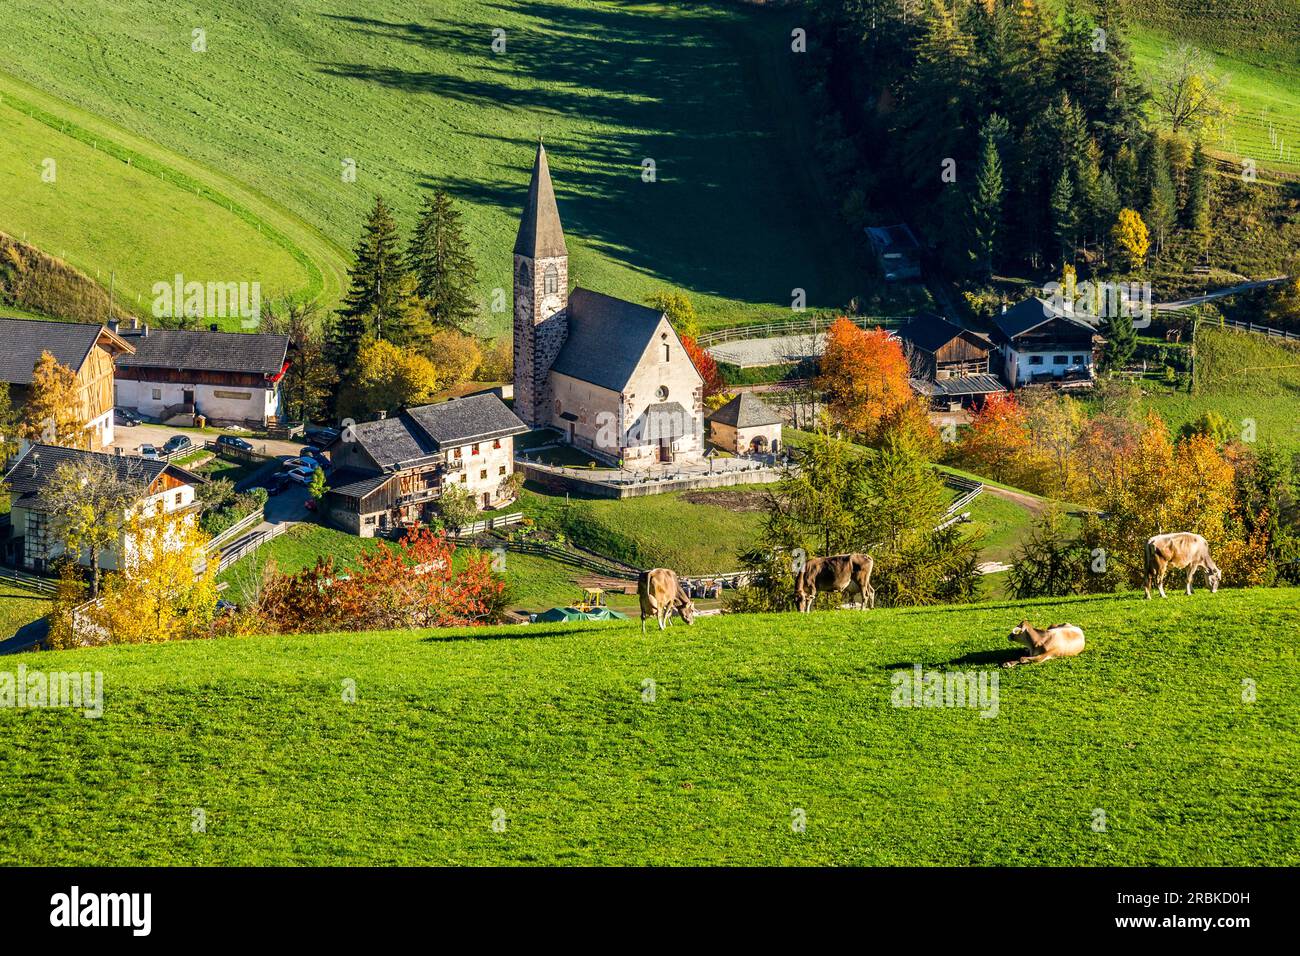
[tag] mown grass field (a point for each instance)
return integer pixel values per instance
(752, 720)
(418, 98)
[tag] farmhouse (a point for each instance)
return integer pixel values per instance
(1042, 343)
(947, 363)
(229, 378)
(88, 350)
(745, 426)
(611, 376)
(392, 471)
(30, 542)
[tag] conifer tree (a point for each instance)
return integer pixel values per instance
(374, 293)
(986, 203)
(440, 259)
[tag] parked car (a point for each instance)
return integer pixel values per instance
(320, 437)
(177, 443)
(290, 464)
(124, 416)
(226, 607)
(231, 441)
(301, 476)
(149, 451)
(316, 455)
(278, 484)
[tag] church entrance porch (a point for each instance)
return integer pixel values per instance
(665, 449)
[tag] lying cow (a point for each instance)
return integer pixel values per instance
(661, 594)
(1042, 644)
(838, 573)
(1179, 549)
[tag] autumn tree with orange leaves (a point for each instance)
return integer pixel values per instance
(998, 438)
(705, 365)
(864, 375)
(415, 584)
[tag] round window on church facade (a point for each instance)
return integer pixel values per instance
(662, 393)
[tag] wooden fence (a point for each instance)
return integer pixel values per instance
(236, 529)
(24, 580)
(488, 524)
(1260, 330)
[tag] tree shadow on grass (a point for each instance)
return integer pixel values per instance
(720, 218)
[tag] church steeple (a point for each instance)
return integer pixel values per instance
(540, 234)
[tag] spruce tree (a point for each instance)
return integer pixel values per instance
(1195, 212)
(373, 299)
(986, 204)
(440, 259)
(1121, 341)
(1063, 216)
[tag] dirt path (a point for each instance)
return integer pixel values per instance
(1032, 503)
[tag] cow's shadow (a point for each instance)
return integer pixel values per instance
(974, 658)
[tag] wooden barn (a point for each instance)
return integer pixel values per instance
(947, 363)
(90, 351)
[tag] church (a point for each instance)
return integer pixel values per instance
(610, 375)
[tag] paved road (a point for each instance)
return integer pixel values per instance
(1217, 294)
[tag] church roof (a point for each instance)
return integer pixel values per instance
(540, 233)
(745, 411)
(607, 337)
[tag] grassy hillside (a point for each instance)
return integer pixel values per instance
(753, 718)
(1243, 377)
(417, 97)
(693, 532)
(121, 204)
(1256, 45)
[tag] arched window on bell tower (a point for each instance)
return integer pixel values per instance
(551, 280)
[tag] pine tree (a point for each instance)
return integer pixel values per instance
(1162, 207)
(439, 257)
(1115, 104)
(373, 298)
(986, 204)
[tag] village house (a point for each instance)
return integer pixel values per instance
(88, 350)
(1040, 343)
(948, 364)
(228, 378)
(610, 375)
(746, 426)
(392, 471)
(30, 542)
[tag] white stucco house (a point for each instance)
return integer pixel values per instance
(1039, 343)
(229, 378)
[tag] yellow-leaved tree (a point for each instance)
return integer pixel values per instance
(53, 412)
(1130, 234)
(166, 588)
(389, 378)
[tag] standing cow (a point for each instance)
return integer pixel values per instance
(837, 573)
(661, 594)
(1179, 549)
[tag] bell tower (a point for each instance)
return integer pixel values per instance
(541, 286)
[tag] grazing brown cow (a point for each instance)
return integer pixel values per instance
(837, 573)
(661, 594)
(1042, 644)
(1179, 549)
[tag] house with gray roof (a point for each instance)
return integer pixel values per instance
(1041, 342)
(228, 378)
(89, 351)
(392, 471)
(29, 540)
(611, 376)
(947, 363)
(746, 425)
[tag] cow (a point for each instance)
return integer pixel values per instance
(1042, 644)
(1179, 549)
(837, 573)
(661, 594)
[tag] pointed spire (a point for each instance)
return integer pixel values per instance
(540, 232)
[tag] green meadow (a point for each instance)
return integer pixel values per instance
(416, 97)
(1170, 741)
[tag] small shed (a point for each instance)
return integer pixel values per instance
(745, 426)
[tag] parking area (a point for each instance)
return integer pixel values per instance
(130, 437)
